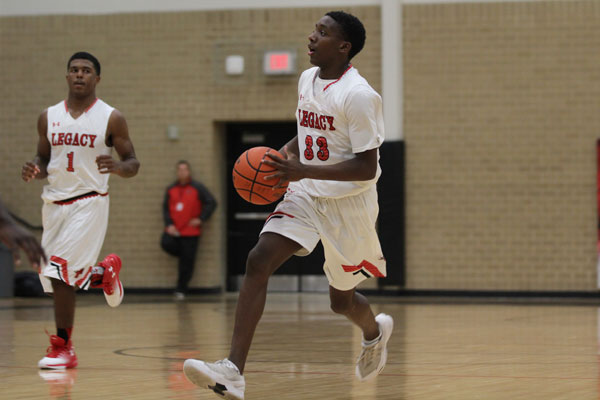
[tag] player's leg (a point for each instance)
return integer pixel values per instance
(187, 259)
(85, 231)
(225, 377)
(61, 354)
(289, 230)
(356, 308)
(64, 306)
(73, 236)
(376, 330)
(353, 254)
(270, 252)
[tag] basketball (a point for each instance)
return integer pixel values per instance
(249, 172)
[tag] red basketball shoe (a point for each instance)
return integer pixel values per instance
(111, 284)
(60, 355)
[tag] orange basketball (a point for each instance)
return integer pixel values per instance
(249, 173)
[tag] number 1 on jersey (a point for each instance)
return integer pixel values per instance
(70, 165)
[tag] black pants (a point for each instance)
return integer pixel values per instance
(185, 248)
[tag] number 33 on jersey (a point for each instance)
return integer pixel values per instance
(336, 119)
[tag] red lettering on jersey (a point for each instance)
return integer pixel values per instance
(315, 121)
(92, 140)
(73, 139)
(304, 118)
(330, 122)
(317, 125)
(311, 120)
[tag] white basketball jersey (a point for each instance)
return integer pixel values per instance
(336, 119)
(75, 144)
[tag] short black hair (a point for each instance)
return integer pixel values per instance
(353, 30)
(84, 55)
(183, 162)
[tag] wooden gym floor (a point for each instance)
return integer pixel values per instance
(439, 350)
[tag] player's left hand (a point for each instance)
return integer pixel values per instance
(289, 168)
(107, 164)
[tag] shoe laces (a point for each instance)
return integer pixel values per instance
(55, 349)
(369, 353)
(228, 366)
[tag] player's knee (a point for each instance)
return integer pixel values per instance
(257, 265)
(341, 306)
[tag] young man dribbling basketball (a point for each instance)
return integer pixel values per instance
(332, 166)
(75, 141)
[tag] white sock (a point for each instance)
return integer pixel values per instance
(372, 341)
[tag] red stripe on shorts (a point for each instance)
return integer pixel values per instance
(373, 270)
(79, 282)
(279, 213)
(62, 270)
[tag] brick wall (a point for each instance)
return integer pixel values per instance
(501, 118)
(502, 108)
(158, 69)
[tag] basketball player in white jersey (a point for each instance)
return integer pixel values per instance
(333, 167)
(75, 142)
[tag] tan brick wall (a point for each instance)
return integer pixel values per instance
(158, 69)
(501, 117)
(502, 108)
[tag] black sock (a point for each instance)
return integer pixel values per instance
(62, 333)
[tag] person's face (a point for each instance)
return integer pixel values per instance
(81, 77)
(183, 173)
(326, 44)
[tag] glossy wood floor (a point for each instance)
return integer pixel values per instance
(439, 350)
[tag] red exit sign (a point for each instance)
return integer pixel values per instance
(279, 62)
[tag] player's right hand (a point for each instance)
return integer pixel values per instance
(29, 171)
(289, 168)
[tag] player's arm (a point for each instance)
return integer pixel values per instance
(118, 134)
(291, 147)
(363, 167)
(15, 237)
(37, 168)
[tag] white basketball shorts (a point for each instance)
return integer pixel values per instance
(345, 226)
(72, 238)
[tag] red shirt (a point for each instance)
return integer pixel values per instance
(184, 202)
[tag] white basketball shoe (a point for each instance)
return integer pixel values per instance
(373, 357)
(222, 377)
